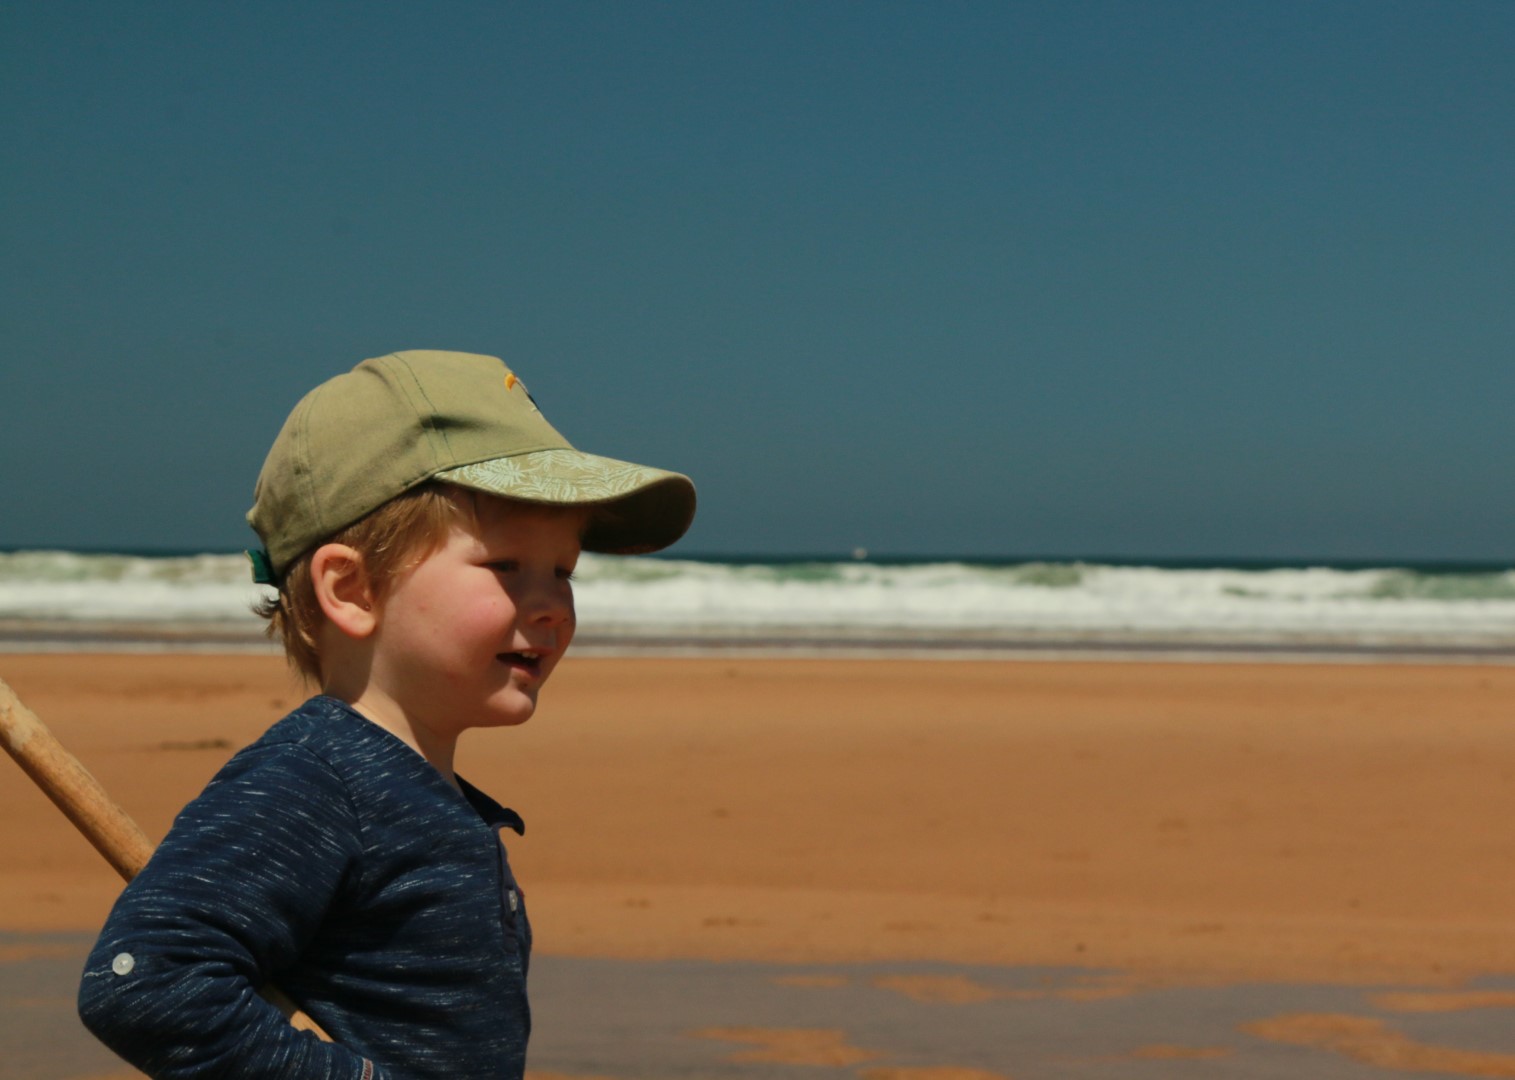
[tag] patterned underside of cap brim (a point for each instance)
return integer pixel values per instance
(555, 476)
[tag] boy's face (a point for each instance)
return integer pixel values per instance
(469, 636)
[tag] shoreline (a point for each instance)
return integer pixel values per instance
(31, 637)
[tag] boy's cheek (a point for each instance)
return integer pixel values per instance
(552, 665)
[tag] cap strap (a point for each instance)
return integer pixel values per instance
(262, 567)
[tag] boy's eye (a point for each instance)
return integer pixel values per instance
(511, 566)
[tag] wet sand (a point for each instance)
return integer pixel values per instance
(655, 1019)
(1165, 828)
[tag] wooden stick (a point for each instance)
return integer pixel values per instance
(84, 802)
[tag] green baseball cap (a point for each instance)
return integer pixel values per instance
(360, 439)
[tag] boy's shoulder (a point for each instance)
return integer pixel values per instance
(326, 728)
(380, 774)
(324, 749)
(318, 722)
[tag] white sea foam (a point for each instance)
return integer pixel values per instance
(1041, 598)
(856, 600)
(66, 586)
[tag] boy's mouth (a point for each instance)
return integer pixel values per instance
(529, 661)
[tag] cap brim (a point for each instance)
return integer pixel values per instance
(634, 509)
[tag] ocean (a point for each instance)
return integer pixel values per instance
(948, 607)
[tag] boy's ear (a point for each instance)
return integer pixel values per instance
(343, 589)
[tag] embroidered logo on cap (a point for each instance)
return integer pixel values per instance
(512, 381)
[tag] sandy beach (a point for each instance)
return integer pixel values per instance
(1326, 822)
(1164, 824)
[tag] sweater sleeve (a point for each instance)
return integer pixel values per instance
(228, 900)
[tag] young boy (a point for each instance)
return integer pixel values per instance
(421, 520)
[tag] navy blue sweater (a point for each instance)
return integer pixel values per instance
(331, 859)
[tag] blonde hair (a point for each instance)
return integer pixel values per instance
(392, 540)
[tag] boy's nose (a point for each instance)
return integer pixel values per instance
(550, 604)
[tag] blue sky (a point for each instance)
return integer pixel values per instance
(1138, 279)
